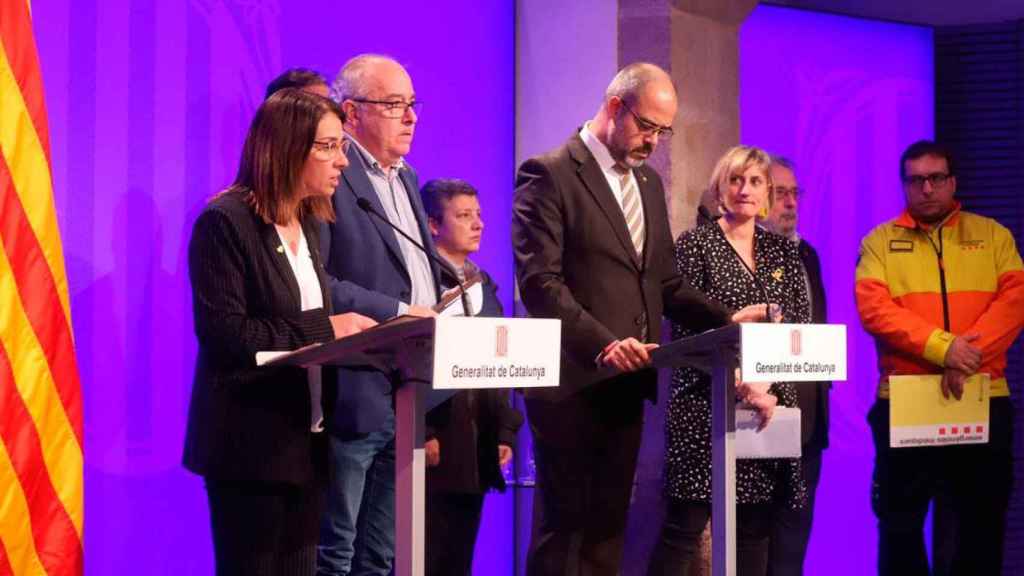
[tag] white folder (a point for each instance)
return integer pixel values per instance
(780, 439)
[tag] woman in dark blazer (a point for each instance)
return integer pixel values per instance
(258, 285)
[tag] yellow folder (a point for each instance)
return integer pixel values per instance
(921, 416)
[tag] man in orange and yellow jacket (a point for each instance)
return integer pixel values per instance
(942, 292)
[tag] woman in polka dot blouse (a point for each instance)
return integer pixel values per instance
(717, 257)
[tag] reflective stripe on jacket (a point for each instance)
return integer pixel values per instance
(919, 287)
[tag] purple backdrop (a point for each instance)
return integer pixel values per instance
(148, 103)
(842, 97)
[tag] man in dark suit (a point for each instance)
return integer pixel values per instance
(792, 529)
(593, 248)
(379, 274)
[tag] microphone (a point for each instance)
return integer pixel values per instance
(367, 207)
(703, 212)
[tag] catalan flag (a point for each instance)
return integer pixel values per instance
(41, 500)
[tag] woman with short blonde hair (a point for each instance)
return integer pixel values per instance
(737, 159)
(735, 263)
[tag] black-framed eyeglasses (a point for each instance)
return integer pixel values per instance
(394, 108)
(648, 127)
(936, 179)
(327, 150)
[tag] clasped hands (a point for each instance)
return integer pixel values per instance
(432, 451)
(963, 358)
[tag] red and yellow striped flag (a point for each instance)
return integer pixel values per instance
(41, 500)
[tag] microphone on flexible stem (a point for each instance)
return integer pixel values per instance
(705, 214)
(367, 207)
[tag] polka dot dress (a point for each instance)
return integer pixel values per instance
(704, 257)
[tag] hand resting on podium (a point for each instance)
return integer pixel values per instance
(349, 324)
(752, 313)
(627, 355)
(630, 355)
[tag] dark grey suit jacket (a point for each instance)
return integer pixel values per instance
(575, 261)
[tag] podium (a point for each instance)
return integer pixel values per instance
(768, 353)
(432, 359)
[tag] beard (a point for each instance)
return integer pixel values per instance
(636, 157)
(786, 228)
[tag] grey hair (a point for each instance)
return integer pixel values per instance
(631, 79)
(784, 162)
(352, 80)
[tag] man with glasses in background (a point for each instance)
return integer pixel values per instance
(593, 248)
(792, 528)
(942, 292)
(381, 275)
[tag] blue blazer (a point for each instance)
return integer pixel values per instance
(369, 276)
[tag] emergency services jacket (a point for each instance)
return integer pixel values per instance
(919, 287)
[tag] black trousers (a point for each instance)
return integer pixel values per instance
(977, 478)
(791, 529)
(264, 529)
(684, 523)
(585, 449)
(452, 524)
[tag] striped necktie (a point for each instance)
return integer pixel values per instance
(633, 212)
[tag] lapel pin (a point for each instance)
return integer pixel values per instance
(280, 248)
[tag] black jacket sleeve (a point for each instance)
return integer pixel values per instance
(221, 258)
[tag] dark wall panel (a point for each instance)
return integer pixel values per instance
(979, 112)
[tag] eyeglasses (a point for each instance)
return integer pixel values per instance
(782, 192)
(646, 126)
(327, 150)
(394, 108)
(936, 179)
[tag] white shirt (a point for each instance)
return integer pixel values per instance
(608, 167)
(310, 298)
